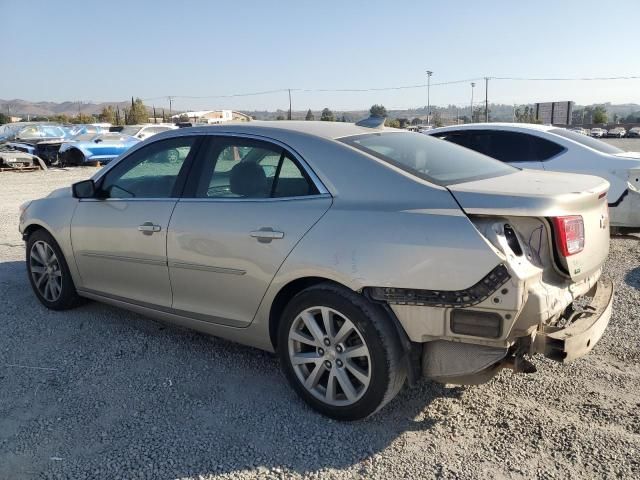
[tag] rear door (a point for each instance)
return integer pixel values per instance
(246, 205)
(119, 239)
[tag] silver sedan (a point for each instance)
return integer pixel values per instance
(365, 257)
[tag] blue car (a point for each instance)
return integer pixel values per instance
(91, 148)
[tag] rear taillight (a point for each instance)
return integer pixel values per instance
(569, 234)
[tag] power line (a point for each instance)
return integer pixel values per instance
(392, 88)
(567, 79)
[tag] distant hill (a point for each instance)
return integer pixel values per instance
(24, 108)
(498, 112)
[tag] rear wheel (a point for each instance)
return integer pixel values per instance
(340, 352)
(49, 273)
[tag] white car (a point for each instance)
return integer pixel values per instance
(580, 130)
(543, 147)
(143, 132)
(598, 132)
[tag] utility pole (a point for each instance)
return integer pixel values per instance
(429, 73)
(486, 99)
(473, 84)
(170, 105)
(289, 104)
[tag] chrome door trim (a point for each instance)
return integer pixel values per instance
(206, 268)
(146, 261)
(182, 133)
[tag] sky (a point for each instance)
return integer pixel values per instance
(112, 50)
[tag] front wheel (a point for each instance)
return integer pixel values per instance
(49, 273)
(340, 352)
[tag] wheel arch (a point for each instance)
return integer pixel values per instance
(32, 228)
(285, 294)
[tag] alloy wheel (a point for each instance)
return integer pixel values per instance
(45, 271)
(329, 356)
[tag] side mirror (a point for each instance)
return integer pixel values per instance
(84, 189)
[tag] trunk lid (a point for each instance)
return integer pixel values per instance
(529, 193)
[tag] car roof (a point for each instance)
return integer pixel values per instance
(328, 130)
(515, 127)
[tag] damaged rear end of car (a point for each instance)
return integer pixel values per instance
(552, 232)
(549, 234)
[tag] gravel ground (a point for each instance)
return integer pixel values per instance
(99, 392)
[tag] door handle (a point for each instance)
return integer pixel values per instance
(148, 228)
(265, 235)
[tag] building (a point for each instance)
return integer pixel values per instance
(212, 116)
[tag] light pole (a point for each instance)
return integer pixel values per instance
(429, 73)
(473, 84)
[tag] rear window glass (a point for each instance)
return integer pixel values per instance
(432, 159)
(590, 142)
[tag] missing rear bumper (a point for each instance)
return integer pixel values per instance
(583, 328)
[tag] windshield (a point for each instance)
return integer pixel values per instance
(590, 142)
(131, 130)
(432, 159)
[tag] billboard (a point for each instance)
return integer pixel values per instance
(554, 113)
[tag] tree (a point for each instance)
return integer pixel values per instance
(137, 113)
(280, 117)
(309, 115)
(599, 114)
(4, 119)
(525, 115)
(378, 111)
(403, 122)
(437, 119)
(327, 115)
(393, 123)
(416, 121)
(108, 115)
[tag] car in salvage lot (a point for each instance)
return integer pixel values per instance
(362, 255)
(94, 148)
(543, 147)
(617, 132)
(41, 139)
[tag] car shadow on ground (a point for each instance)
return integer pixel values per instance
(101, 392)
(632, 278)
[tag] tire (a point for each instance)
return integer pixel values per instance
(44, 269)
(363, 379)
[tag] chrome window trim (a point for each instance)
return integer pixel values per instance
(132, 199)
(239, 199)
(182, 133)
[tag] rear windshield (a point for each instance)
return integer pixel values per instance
(435, 160)
(590, 142)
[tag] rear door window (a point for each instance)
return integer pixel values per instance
(247, 168)
(509, 147)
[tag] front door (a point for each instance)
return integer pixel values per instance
(246, 205)
(119, 238)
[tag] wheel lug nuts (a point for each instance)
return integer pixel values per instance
(327, 364)
(327, 342)
(339, 363)
(320, 351)
(339, 349)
